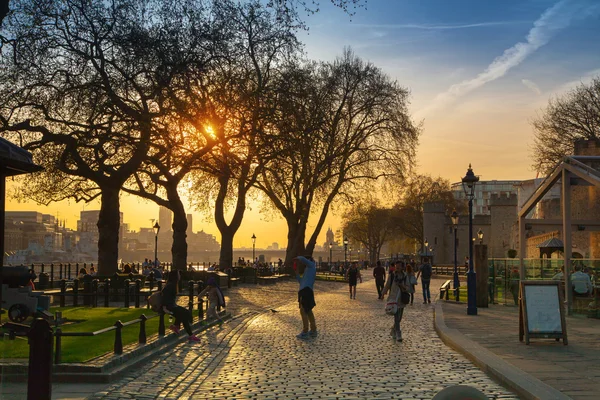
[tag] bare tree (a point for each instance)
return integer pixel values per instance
(372, 226)
(87, 87)
(573, 116)
(338, 126)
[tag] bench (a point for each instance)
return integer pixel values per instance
(445, 289)
(234, 281)
(267, 280)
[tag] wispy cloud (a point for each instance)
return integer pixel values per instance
(585, 79)
(544, 28)
(531, 85)
(435, 27)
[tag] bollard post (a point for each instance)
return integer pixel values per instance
(106, 292)
(161, 323)
(75, 292)
(200, 309)
(142, 337)
(60, 271)
(191, 296)
(52, 276)
(42, 267)
(63, 292)
(69, 272)
(138, 286)
(118, 338)
(95, 293)
(126, 283)
(33, 268)
(58, 336)
(39, 379)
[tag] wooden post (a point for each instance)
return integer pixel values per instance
(39, 379)
(482, 272)
(142, 336)
(567, 243)
(118, 338)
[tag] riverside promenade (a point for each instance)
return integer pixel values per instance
(257, 354)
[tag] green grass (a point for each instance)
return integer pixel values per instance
(333, 278)
(81, 349)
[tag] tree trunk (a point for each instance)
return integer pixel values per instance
(179, 247)
(226, 254)
(108, 231)
(295, 245)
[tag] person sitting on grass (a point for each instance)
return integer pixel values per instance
(169, 302)
(215, 299)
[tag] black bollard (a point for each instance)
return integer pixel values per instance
(43, 267)
(75, 292)
(191, 295)
(126, 283)
(39, 379)
(200, 309)
(118, 338)
(63, 292)
(142, 337)
(138, 286)
(60, 271)
(69, 272)
(106, 292)
(52, 276)
(161, 323)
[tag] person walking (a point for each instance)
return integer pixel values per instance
(379, 275)
(215, 299)
(306, 272)
(169, 303)
(425, 272)
(397, 282)
(412, 282)
(353, 275)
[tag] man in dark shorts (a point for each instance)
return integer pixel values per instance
(306, 272)
(353, 275)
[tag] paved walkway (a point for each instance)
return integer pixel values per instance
(574, 369)
(257, 354)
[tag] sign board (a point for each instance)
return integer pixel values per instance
(541, 313)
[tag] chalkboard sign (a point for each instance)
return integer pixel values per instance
(541, 314)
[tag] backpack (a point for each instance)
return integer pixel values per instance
(155, 301)
(426, 272)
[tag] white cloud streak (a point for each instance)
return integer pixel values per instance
(428, 27)
(550, 22)
(531, 85)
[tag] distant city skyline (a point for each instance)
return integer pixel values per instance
(478, 72)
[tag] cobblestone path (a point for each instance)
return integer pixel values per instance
(257, 354)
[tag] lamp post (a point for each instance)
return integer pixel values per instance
(454, 217)
(330, 250)
(426, 247)
(468, 183)
(350, 254)
(345, 249)
(156, 229)
(253, 247)
(480, 236)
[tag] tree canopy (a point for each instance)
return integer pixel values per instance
(567, 118)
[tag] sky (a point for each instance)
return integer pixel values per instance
(478, 73)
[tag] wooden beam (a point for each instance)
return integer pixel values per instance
(541, 190)
(567, 242)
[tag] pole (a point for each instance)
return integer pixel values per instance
(330, 258)
(471, 278)
(456, 281)
(345, 250)
(253, 248)
(156, 250)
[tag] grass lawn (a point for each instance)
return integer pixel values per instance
(332, 277)
(81, 349)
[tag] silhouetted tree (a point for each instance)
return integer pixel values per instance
(338, 125)
(575, 115)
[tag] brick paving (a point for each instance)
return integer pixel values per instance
(257, 354)
(573, 369)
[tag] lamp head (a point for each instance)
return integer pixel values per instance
(468, 182)
(454, 217)
(426, 243)
(345, 241)
(480, 235)
(156, 228)
(253, 238)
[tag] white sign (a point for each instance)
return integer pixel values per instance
(543, 309)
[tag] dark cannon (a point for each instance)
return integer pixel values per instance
(18, 297)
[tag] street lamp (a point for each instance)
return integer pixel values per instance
(480, 236)
(253, 247)
(156, 229)
(468, 183)
(345, 249)
(454, 217)
(330, 250)
(350, 254)
(426, 247)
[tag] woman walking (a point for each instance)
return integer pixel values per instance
(169, 302)
(412, 282)
(397, 283)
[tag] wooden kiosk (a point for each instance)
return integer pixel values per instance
(541, 311)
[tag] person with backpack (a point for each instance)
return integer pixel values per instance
(425, 272)
(169, 305)
(215, 299)
(353, 275)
